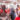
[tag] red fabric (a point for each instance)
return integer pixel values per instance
(8, 10)
(5, 10)
(1, 11)
(17, 18)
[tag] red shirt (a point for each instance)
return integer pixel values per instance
(1, 11)
(5, 10)
(17, 18)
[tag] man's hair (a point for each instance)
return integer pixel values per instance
(17, 5)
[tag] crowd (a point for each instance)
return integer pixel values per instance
(10, 10)
(9, 13)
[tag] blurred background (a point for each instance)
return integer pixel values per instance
(8, 9)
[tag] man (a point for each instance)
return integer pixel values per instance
(18, 18)
(17, 10)
(4, 10)
(12, 14)
(3, 7)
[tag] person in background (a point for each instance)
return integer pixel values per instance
(12, 14)
(4, 10)
(18, 13)
(17, 10)
(18, 18)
